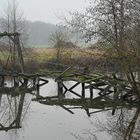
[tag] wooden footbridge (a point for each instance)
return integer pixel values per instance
(98, 92)
(105, 86)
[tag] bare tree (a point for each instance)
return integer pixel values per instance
(107, 20)
(62, 43)
(57, 38)
(123, 125)
(13, 21)
(116, 22)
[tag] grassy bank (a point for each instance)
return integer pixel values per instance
(89, 59)
(81, 58)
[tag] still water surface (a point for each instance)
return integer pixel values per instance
(44, 122)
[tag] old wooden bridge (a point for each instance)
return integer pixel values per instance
(97, 92)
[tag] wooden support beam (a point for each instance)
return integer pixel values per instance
(75, 93)
(70, 89)
(2, 80)
(67, 109)
(26, 81)
(83, 90)
(66, 89)
(44, 80)
(102, 110)
(62, 73)
(37, 88)
(60, 88)
(9, 34)
(20, 108)
(104, 91)
(87, 111)
(21, 61)
(96, 103)
(39, 80)
(74, 86)
(16, 82)
(91, 93)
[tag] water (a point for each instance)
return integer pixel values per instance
(52, 122)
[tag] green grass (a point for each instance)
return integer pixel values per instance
(40, 46)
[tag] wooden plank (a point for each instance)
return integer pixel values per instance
(83, 90)
(103, 93)
(9, 34)
(87, 103)
(74, 86)
(73, 92)
(67, 109)
(91, 93)
(63, 73)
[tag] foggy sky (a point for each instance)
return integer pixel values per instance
(47, 10)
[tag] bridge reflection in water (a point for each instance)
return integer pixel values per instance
(107, 96)
(15, 98)
(15, 101)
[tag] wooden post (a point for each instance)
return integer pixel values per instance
(34, 81)
(83, 90)
(38, 87)
(20, 109)
(21, 61)
(87, 111)
(2, 80)
(25, 81)
(91, 93)
(16, 82)
(115, 89)
(60, 88)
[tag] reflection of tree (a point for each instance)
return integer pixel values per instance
(13, 106)
(124, 125)
(12, 113)
(90, 137)
(15, 98)
(131, 128)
